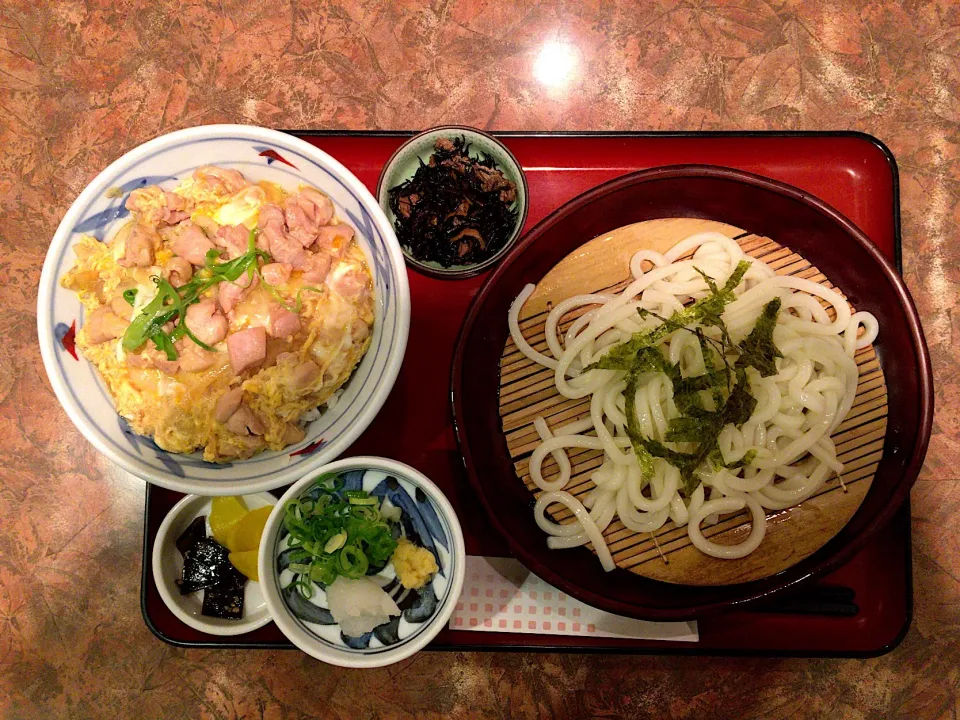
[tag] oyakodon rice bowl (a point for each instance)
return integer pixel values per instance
(223, 312)
(241, 305)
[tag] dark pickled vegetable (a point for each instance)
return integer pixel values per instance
(207, 567)
(206, 564)
(197, 530)
(225, 600)
(456, 209)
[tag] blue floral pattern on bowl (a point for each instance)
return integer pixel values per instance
(423, 525)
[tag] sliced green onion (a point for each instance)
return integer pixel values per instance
(172, 302)
(353, 562)
(337, 532)
(336, 542)
(304, 586)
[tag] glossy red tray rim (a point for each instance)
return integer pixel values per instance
(903, 517)
(772, 586)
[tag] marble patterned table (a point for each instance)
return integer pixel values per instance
(82, 82)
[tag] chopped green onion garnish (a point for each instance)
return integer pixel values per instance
(337, 532)
(171, 303)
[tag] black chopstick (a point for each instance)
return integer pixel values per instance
(827, 600)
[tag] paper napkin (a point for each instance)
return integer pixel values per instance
(501, 595)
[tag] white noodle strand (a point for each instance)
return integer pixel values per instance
(791, 454)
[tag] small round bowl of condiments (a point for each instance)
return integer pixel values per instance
(362, 562)
(205, 562)
(457, 199)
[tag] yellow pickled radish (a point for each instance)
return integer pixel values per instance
(224, 515)
(245, 535)
(246, 562)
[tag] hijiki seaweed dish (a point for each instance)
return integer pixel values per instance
(457, 209)
(363, 561)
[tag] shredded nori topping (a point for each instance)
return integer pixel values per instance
(698, 426)
(456, 209)
(757, 349)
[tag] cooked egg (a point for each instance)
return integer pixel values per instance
(242, 209)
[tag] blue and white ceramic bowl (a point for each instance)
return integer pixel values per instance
(428, 520)
(260, 154)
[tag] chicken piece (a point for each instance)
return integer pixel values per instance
(286, 249)
(270, 221)
(234, 238)
(194, 358)
(275, 348)
(304, 375)
(206, 322)
(231, 293)
(192, 245)
(247, 348)
(209, 226)
(138, 248)
(299, 226)
(152, 358)
(146, 202)
(292, 434)
(318, 207)
(121, 308)
(316, 267)
(336, 239)
(359, 330)
(220, 180)
(156, 207)
(282, 323)
(351, 284)
(245, 422)
(276, 273)
(305, 213)
(103, 324)
(178, 208)
(178, 271)
(283, 248)
(228, 403)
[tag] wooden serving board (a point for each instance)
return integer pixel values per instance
(527, 390)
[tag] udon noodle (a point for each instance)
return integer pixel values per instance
(777, 458)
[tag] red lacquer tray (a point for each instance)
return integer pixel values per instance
(852, 172)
